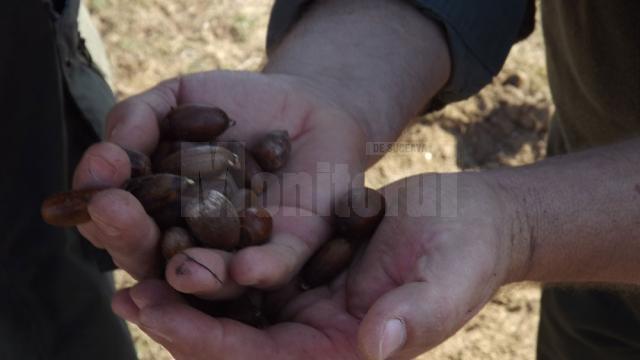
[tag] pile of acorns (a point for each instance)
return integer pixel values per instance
(206, 193)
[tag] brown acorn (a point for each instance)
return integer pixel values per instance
(329, 261)
(246, 309)
(199, 161)
(166, 148)
(170, 215)
(67, 209)
(358, 213)
(223, 183)
(174, 241)
(248, 172)
(213, 220)
(140, 163)
(244, 198)
(196, 123)
(160, 192)
(255, 226)
(272, 151)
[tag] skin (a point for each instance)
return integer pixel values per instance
(422, 277)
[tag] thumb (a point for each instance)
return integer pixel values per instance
(407, 321)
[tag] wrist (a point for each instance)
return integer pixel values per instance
(364, 56)
(519, 223)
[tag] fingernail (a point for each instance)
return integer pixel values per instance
(394, 336)
(101, 171)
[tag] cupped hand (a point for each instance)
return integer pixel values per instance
(439, 255)
(314, 325)
(321, 134)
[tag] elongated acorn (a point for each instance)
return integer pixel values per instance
(358, 213)
(331, 259)
(202, 160)
(67, 209)
(194, 122)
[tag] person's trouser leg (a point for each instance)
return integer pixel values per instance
(589, 324)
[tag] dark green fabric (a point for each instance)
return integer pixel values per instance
(593, 56)
(55, 301)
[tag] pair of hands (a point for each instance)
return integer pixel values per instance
(421, 278)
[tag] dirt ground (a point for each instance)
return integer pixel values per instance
(504, 125)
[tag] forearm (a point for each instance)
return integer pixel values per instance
(380, 60)
(577, 217)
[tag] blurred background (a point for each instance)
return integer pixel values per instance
(505, 125)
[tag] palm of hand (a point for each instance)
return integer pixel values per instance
(315, 325)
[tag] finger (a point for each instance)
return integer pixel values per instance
(102, 165)
(133, 123)
(126, 303)
(293, 241)
(126, 231)
(91, 232)
(190, 333)
(377, 270)
(409, 321)
(203, 273)
(123, 305)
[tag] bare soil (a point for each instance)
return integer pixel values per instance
(505, 125)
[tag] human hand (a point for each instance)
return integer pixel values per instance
(313, 325)
(439, 255)
(320, 133)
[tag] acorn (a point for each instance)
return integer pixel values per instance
(202, 160)
(244, 198)
(358, 213)
(194, 122)
(213, 220)
(140, 163)
(68, 208)
(248, 172)
(174, 241)
(255, 226)
(158, 190)
(272, 151)
(166, 148)
(329, 261)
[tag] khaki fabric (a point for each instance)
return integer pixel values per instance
(593, 56)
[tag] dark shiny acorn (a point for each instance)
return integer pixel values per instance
(67, 209)
(246, 309)
(158, 190)
(213, 220)
(248, 172)
(272, 151)
(140, 163)
(174, 241)
(358, 213)
(255, 226)
(166, 148)
(196, 123)
(329, 261)
(223, 183)
(199, 161)
(244, 198)
(170, 215)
